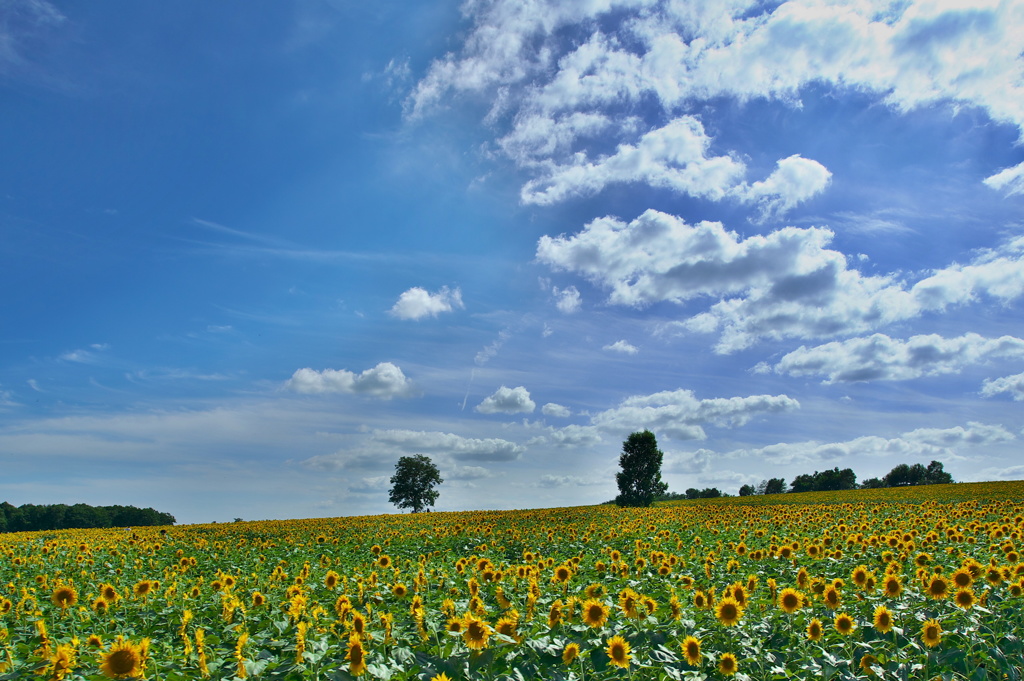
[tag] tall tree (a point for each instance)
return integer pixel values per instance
(640, 478)
(413, 483)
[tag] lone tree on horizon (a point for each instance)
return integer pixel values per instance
(640, 479)
(413, 483)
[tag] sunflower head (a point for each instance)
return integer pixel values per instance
(931, 633)
(937, 587)
(883, 619)
(964, 598)
(831, 597)
(892, 586)
(691, 651)
(123, 660)
(570, 653)
(790, 600)
(595, 613)
(728, 611)
(844, 624)
(814, 629)
(962, 578)
(356, 656)
(618, 652)
(727, 664)
(475, 631)
(64, 596)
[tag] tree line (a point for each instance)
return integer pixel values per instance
(33, 518)
(903, 475)
(640, 481)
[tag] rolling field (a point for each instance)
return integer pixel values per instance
(914, 583)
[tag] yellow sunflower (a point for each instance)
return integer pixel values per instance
(931, 633)
(570, 653)
(727, 664)
(123, 660)
(962, 578)
(728, 611)
(63, 662)
(555, 614)
(844, 624)
(691, 651)
(64, 596)
(507, 626)
(143, 588)
(831, 597)
(475, 631)
(814, 629)
(883, 620)
(892, 586)
(356, 656)
(790, 600)
(628, 602)
(964, 598)
(595, 613)
(109, 593)
(937, 587)
(618, 652)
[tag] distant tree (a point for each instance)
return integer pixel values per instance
(802, 483)
(935, 475)
(412, 485)
(872, 483)
(706, 493)
(747, 490)
(640, 478)
(903, 475)
(899, 476)
(774, 486)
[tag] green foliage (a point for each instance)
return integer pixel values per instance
(640, 478)
(825, 481)
(903, 475)
(413, 483)
(706, 493)
(33, 518)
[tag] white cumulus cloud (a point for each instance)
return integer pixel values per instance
(1012, 385)
(881, 358)
(636, 63)
(507, 401)
(383, 381)
(784, 284)
(680, 415)
(622, 346)
(455, 446)
(417, 303)
(567, 300)
(555, 410)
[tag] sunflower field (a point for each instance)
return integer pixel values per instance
(905, 583)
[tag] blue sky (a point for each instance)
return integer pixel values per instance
(251, 258)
